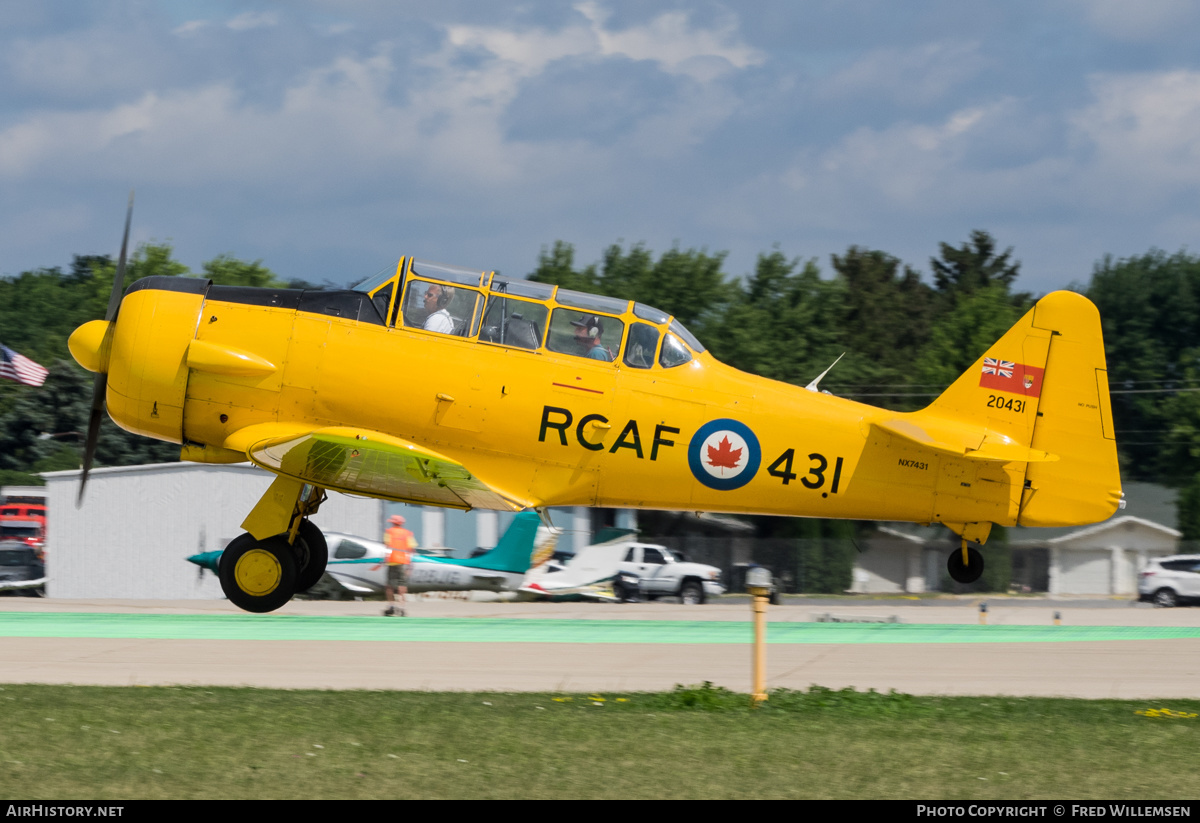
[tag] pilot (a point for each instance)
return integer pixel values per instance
(437, 298)
(587, 337)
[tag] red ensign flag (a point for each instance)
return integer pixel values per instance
(1009, 376)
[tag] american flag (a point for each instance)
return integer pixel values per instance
(17, 367)
(1002, 368)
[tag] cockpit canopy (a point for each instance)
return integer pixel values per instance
(482, 306)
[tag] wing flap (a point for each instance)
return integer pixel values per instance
(360, 461)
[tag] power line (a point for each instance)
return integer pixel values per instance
(843, 393)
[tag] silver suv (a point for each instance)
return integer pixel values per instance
(1170, 581)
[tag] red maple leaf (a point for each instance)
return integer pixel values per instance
(724, 456)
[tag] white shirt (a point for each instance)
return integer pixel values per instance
(439, 321)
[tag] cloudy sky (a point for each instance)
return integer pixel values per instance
(328, 138)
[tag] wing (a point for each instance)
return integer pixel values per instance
(597, 593)
(360, 461)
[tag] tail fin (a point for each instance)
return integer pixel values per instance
(513, 552)
(1041, 395)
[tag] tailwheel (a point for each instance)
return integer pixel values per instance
(312, 555)
(259, 575)
(968, 569)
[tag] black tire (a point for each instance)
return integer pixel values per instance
(312, 555)
(968, 573)
(258, 576)
(1166, 599)
(621, 592)
(691, 593)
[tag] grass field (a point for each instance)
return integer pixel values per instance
(62, 742)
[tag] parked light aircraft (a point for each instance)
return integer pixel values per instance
(359, 566)
(588, 575)
(439, 385)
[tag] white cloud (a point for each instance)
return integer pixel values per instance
(190, 27)
(1143, 20)
(668, 40)
(253, 20)
(920, 75)
(435, 120)
(1143, 131)
(1128, 158)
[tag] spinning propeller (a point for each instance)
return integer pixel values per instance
(100, 385)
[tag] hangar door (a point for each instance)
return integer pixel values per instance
(1085, 571)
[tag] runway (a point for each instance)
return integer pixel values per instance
(1099, 650)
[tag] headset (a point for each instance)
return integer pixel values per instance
(445, 295)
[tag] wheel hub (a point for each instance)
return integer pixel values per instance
(257, 572)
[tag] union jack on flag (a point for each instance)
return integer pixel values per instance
(1001, 368)
(20, 368)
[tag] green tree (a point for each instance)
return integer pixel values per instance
(41, 428)
(226, 270)
(689, 285)
(973, 266)
(1150, 310)
(45, 428)
(783, 321)
(961, 336)
(825, 555)
(885, 325)
(888, 308)
(1189, 510)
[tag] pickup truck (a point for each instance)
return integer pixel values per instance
(659, 573)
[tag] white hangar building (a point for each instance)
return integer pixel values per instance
(139, 524)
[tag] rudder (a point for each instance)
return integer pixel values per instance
(513, 552)
(1074, 421)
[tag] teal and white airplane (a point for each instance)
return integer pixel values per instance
(358, 566)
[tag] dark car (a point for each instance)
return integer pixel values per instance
(22, 570)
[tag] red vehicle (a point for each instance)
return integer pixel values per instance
(17, 517)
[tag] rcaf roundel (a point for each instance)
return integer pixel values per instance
(724, 454)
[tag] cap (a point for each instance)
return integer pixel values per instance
(396, 519)
(592, 323)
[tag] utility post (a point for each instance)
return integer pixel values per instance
(758, 584)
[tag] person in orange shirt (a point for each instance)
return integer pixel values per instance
(401, 542)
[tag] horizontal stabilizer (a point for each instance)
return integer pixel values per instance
(962, 439)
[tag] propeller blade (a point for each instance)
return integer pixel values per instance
(114, 298)
(99, 388)
(100, 385)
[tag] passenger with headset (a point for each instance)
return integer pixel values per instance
(437, 298)
(587, 336)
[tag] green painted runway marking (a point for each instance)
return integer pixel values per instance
(508, 630)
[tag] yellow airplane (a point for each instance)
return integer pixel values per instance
(444, 386)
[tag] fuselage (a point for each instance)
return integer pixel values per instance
(195, 364)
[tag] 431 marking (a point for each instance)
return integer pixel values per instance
(814, 478)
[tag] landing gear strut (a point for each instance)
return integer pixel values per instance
(966, 564)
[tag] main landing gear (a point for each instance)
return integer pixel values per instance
(262, 575)
(966, 564)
